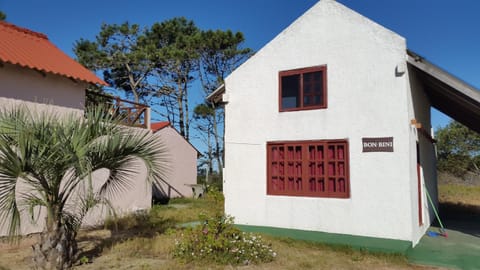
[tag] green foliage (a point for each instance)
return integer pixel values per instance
(216, 199)
(203, 111)
(48, 161)
(175, 42)
(215, 181)
(3, 16)
(83, 260)
(220, 53)
(217, 240)
(120, 52)
(458, 149)
(159, 65)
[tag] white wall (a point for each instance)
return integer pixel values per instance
(419, 109)
(366, 98)
(29, 85)
(183, 163)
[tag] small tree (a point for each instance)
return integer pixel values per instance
(458, 149)
(203, 114)
(47, 160)
(220, 53)
(176, 48)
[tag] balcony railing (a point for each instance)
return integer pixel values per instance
(132, 113)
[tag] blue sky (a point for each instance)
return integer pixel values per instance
(445, 32)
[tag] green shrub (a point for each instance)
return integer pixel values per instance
(219, 241)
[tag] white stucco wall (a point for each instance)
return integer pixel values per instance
(183, 164)
(419, 109)
(29, 85)
(366, 98)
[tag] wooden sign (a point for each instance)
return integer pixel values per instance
(382, 144)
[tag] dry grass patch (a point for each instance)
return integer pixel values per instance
(144, 242)
(455, 193)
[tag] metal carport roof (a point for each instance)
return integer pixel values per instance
(447, 93)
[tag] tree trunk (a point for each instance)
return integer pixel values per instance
(181, 124)
(56, 250)
(187, 120)
(217, 143)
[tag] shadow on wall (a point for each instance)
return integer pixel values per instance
(162, 193)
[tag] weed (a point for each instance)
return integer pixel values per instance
(83, 260)
(217, 240)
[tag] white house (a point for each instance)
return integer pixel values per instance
(183, 168)
(328, 136)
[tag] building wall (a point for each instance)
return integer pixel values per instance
(366, 98)
(134, 198)
(183, 164)
(137, 196)
(419, 109)
(29, 85)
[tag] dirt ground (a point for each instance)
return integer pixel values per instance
(470, 179)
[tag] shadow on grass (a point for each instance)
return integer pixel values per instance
(122, 229)
(461, 217)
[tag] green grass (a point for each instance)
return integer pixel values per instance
(145, 241)
(454, 193)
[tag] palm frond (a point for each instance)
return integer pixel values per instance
(55, 156)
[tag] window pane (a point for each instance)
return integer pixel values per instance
(290, 91)
(307, 100)
(313, 88)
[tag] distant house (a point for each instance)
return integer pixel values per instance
(183, 163)
(328, 134)
(35, 73)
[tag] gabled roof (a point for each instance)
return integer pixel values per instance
(33, 50)
(159, 125)
(155, 127)
(447, 93)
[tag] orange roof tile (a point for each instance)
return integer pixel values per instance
(29, 49)
(159, 125)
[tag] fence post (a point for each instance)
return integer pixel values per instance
(147, 117)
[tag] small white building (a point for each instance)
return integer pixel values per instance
(327, 132)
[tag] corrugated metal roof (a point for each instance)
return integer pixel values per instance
(29, 49)
(447, 93)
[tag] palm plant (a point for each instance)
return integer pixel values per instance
(46, 166)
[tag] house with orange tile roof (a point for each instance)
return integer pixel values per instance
(33, 69)
(182, 176)
(35, 73)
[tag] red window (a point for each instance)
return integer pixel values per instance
(303, 89)
(308, 168)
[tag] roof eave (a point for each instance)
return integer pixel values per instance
(448, 93)
(216, 96)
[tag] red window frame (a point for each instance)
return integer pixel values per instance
(308, 168)
(301, 72)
